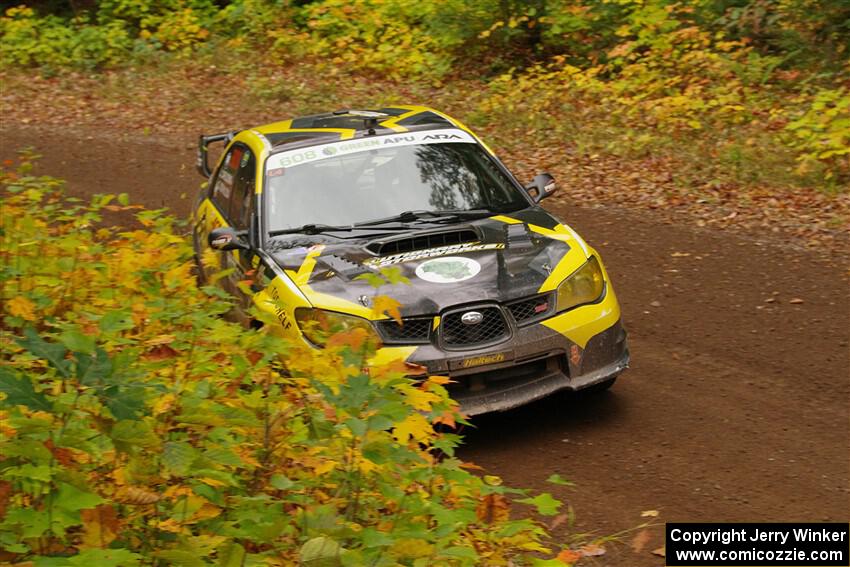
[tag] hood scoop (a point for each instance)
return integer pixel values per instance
(518, 237)
(346, 269)
(420, 241)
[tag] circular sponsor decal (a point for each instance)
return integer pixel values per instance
(329, 151)
(448, 269)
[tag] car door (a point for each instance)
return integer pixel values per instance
(231, 202)
(242, 215)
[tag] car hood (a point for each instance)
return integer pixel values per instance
(502, 258)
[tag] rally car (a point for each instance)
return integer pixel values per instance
(503, 298)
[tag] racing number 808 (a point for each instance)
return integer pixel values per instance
(286, 161)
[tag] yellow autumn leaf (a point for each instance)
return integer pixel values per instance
(411, 548)
(163, 403)
(535, 546)
(209, 258)
(160, 340)
(324, 467)
(385, 304)
(439, 380)
(446, 418)
(492, 480)
(178, 275)
(366, 466)
(414, 426)
(353, 338)
(170, 525)
(206, 511)
(248, 458)
(100, 526)
(422, 400)
(175, 492)
(20, 306)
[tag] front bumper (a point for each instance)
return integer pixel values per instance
(537, 368)
(570, 351)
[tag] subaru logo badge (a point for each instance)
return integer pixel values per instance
(471, 318)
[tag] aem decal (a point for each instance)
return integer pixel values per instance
(430, 253)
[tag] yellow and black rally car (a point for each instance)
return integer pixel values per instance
(502, 297)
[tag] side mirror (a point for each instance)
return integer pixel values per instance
(227, 238)
(541, 187)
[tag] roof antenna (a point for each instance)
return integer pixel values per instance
(371, 124)
(370, 119)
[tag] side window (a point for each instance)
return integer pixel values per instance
(243, 190)
(223, 188)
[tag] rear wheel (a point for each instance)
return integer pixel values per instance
(198, 272)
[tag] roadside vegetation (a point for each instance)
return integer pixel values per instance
(722, 112)
(738, 91)
(138, 426)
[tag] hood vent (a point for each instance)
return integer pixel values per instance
(343, 267)
(412, 243)
(518, 236)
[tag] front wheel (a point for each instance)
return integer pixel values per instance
(198, 272)
(600, 386)
(198, 266)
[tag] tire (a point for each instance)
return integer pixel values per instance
(600, 386)
(198, 267)
(198, 271)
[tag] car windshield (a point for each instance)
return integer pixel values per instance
(334, 185)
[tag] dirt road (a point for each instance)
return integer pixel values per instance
(737, 405)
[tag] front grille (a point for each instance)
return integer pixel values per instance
(422, 242)
(501, 378)
(492, 328)
(532, 309)
(412, 331)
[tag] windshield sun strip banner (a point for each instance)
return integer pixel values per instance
(301, 156)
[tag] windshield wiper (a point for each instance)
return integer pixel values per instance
(311, 229)
(469, 213)
(434, 216)
(405, 217)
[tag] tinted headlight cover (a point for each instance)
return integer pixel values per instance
(318, 325)
(585, 285)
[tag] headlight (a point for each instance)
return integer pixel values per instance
(585, 285)
(318, 325)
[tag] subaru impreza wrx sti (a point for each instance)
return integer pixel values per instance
(503, 298)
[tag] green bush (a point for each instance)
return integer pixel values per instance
(821, 133)
(28, 40)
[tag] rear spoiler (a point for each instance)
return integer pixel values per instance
(203, 143)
